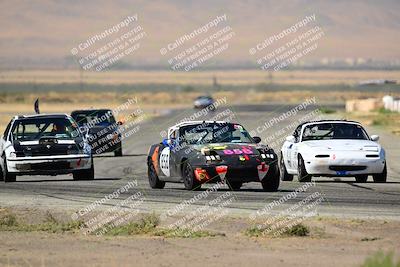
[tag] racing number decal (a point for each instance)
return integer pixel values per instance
(164, 161)
(244, 150)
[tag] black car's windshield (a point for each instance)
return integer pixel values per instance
(207, 133)
(36, 128)
(94, 117)
(326, 131)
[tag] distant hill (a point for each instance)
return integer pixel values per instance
(42, 33)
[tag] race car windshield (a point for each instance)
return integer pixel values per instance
(34, 129)
(215, 133)
(327, 131)
(94, 117)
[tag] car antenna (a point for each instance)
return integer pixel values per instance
(36, 106)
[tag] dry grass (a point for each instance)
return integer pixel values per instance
(379, 118)
(175, 98)
(239, 77)
(64, 102)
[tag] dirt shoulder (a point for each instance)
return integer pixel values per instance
(330, 242)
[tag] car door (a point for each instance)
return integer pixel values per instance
(3, 142)
(292, 150)
(175, 152)
(168, 156)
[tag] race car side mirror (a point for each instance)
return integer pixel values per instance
(167, 142)
(290, 139)
(374, 137)
(257, 139)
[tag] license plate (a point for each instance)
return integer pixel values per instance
(341, 173)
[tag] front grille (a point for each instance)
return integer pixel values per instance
(47, 150)
(46, 153)
(45, 166)
(347, 168)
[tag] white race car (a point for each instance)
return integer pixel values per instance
(332, 148)
(44, 145)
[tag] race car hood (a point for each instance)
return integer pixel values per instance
(43, 147)
(342, 145)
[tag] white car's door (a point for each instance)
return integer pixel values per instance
(286, 153)
(4, 142)
(292, 151)
(293, 156)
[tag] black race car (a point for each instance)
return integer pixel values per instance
(103, 130)
(198, 152)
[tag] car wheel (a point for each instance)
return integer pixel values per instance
(380, 177)
(84, 174)
(302, 174)
(362, 178)
(118, 151)
(271, 182)
(285, 176)
(189, 180)
(154, 181)
(1, 174)
(235, 186)
(8, 177)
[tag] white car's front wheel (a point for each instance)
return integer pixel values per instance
(302, 174)
(84, 174)
(8, 177)
(362, 178)
(381, 177)
(285, 176)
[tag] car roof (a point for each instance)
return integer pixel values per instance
(187, 123)
(90, 110)
(43, 115)
(329, 121)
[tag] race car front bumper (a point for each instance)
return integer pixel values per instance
(346, 163)
(51, 165)
(244, 174)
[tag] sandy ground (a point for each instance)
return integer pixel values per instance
(332, 242)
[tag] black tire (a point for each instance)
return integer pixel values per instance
(190, 182)
(8, 177)
(1, 174)
(285, 176)
(84, 174)
(235, 186)
(118, 151)
(154, 181)
(362, 178)
(302, 174)
(271, 182)
(380, 177)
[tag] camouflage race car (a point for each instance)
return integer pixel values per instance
(198, 152)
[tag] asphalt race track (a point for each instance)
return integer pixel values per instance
(342, 197)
